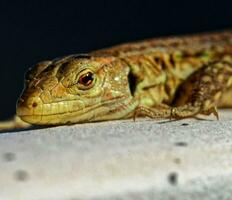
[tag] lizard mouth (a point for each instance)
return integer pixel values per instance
(68, 112)
(57, 118)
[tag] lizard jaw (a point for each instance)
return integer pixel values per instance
(58, 113)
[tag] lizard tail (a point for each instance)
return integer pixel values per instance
(14, 123)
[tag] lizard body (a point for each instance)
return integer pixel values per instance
(173, 77)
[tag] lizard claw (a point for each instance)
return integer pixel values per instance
(135, 114)
(173, 113)
(214, 111)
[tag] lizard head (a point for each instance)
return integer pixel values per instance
(77, 88)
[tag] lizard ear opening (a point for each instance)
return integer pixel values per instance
(132, 79)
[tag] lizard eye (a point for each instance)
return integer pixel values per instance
(86, 80)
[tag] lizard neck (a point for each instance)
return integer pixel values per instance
(159, 66)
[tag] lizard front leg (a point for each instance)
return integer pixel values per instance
(199, 94)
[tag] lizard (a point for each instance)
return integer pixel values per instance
(172, 77)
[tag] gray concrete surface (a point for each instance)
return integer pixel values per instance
(146, 159)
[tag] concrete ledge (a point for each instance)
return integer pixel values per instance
(146, 159)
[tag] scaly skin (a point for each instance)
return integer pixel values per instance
(161, 78)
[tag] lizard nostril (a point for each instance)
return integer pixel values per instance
(34, 105)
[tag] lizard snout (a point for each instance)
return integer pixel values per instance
(27, 106)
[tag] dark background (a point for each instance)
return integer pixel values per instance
(31, 31)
